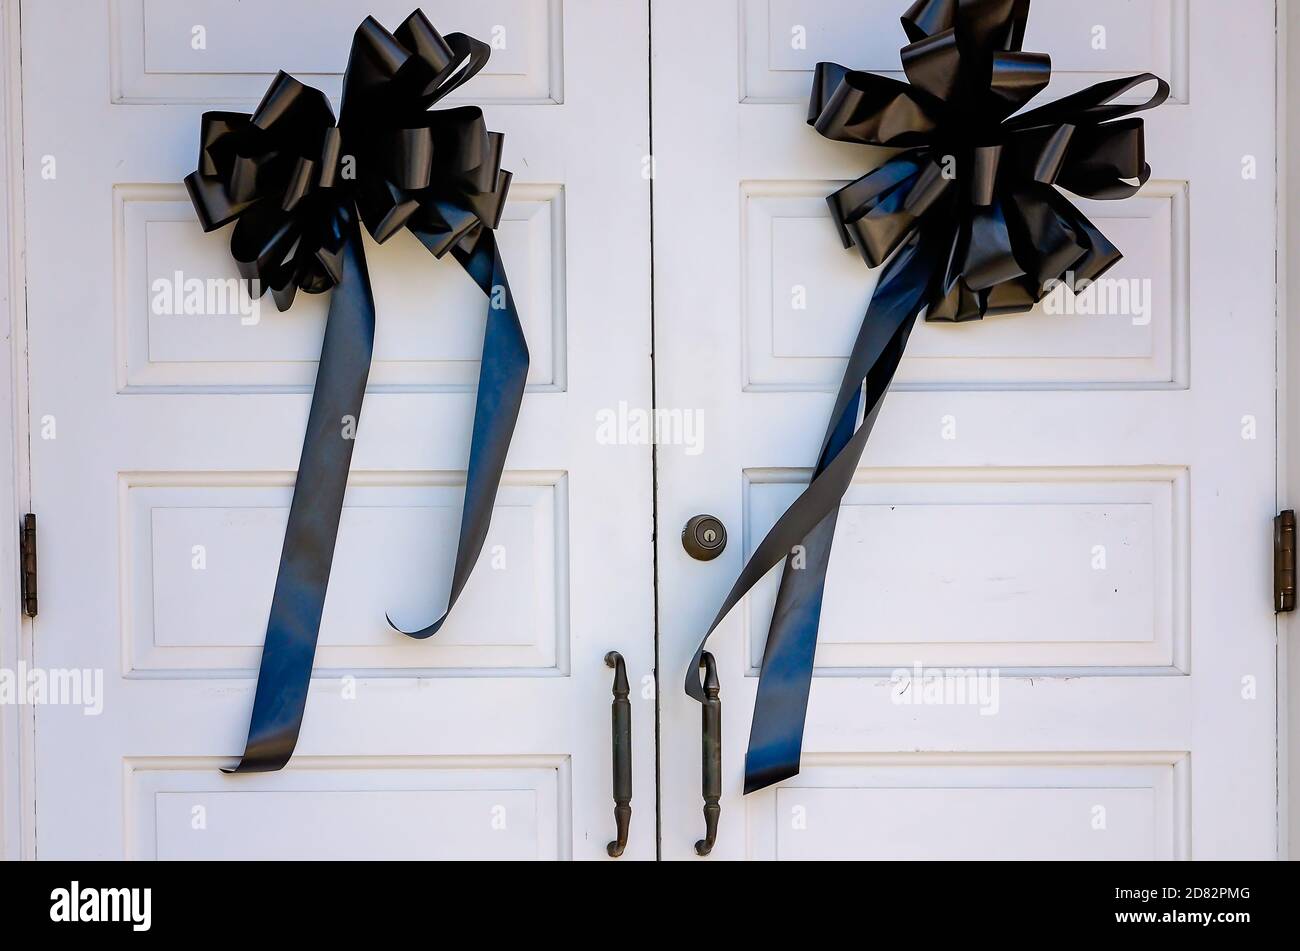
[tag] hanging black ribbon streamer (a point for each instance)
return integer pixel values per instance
(968, 221)
(299, 187)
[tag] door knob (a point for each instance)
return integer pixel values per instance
(704, 537)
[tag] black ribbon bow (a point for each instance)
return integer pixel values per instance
(967, 220)
(298, 187)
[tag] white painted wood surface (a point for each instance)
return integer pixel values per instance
(492, 739)
(1136, 709)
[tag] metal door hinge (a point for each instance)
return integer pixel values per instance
(27, 559)
(1284, 561)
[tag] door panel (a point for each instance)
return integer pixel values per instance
(1073, 507)
(962, 806)
(862, 34)
(163, 496)
(789, 349)
(154, 62)
(962, 566)
(415, 350)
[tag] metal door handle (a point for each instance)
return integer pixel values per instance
(711, 754)
(620, 715)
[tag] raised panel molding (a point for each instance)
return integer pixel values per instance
(970, 567)
(191, 539)
(1142, 36)
(1010, 806)
(429, 328)
(350, 808)
(154, 61)
(803, 297)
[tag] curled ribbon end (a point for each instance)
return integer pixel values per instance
(252, 763)
(419, 635)
(695, 677)
(758, 777)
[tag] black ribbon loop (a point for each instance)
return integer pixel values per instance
(298, 215)
(967, 221)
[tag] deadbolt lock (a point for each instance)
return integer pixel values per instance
(704, 537)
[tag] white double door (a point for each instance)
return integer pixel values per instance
(1132, 711)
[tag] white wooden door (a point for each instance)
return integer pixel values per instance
(164, 449)
(1080, 505)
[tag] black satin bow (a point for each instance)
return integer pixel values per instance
(298, 187)
(967, 220)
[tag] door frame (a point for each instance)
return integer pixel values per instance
(1288, 421)
(17, 735)
(17, 724)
